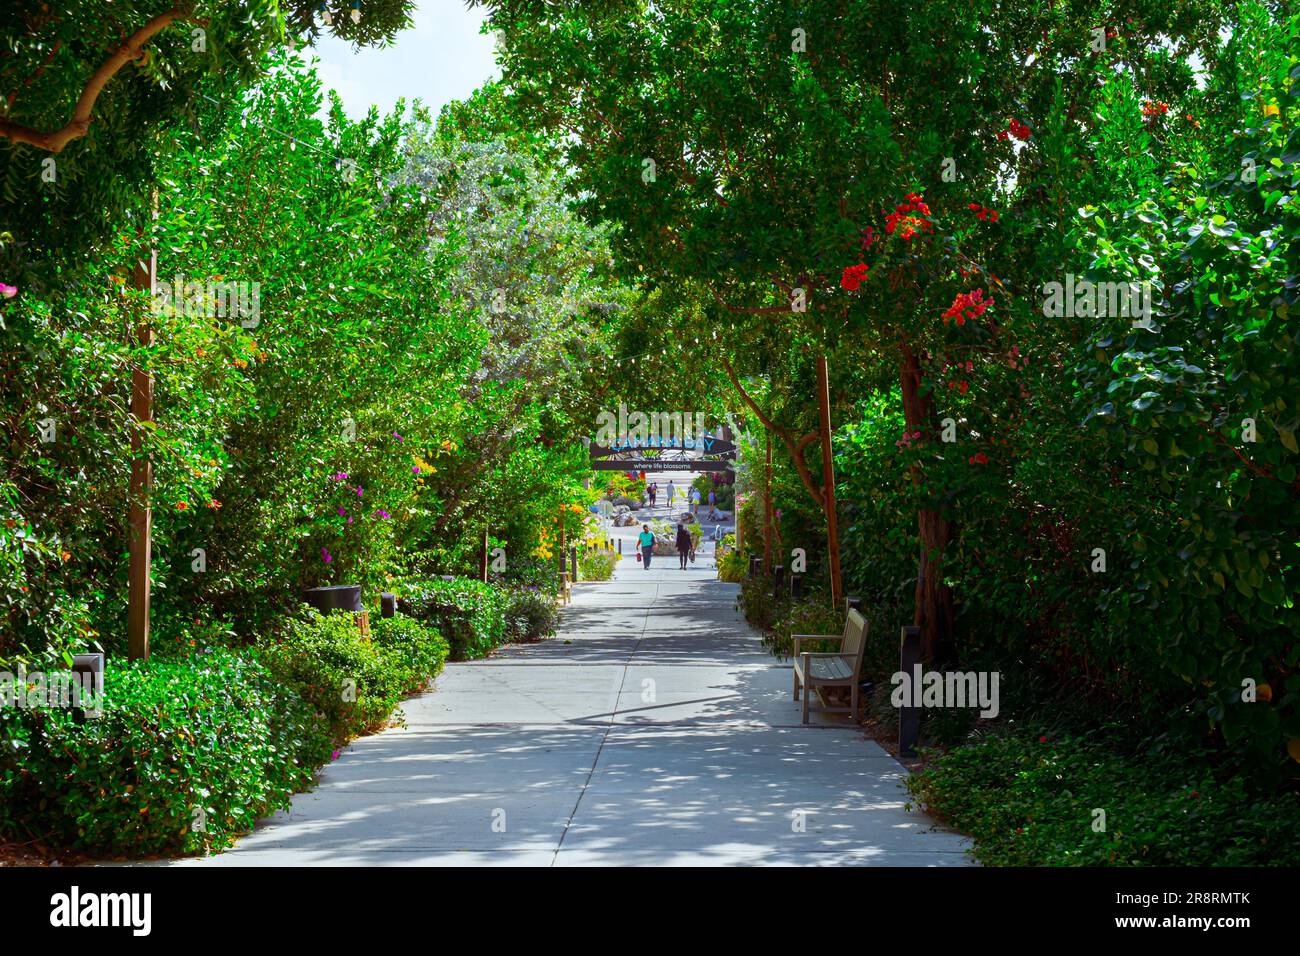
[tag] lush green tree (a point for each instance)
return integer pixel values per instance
(757, 153)
(93, 91)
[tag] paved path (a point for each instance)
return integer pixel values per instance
(654, 730)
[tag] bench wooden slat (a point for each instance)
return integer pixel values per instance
(830, 668)
(840, 669)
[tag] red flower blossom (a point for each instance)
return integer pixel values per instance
(1016, 129)
(904, 219)
(853, 276)
(967, 306)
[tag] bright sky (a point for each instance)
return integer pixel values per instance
(442, 58)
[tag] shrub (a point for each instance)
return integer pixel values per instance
(410, 640)
(532, 571)
(187, 754)
(596, 565)
(760, 608)
(531, 615)
(470, 614)
(733, 565)
(1031, 801)
(802, 618)
(353, 681)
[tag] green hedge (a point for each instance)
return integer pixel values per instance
(187, 754)
(472, 615)
(353, 681)
(1031, 800)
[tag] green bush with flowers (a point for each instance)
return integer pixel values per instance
(188, 753)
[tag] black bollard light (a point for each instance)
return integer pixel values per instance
(796, 587)
(387, 604)
(778, 580)
(852, 603)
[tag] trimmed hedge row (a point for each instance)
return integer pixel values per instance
(478, 617)
(187, 754)
(190, 752)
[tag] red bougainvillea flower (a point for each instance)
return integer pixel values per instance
(1042, 740)
(905, 220)
(963, 386)
(984, 212)
(967, 306)
(853, 276)
(1154, 108)
(868, 237)
(1015, 129)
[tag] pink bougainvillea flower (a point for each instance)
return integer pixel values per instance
(8, 291)
(381, 513)
(398, 437)
(358, 491)
(326, 556)
(342, 511)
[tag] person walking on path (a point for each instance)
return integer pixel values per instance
(672, 492)
(684, 544)
(713, 504)
(646, 540)
(695, 500)
(653, 491)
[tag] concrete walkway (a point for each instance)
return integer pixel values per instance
(655, 730)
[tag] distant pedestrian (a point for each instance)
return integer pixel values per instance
(653, 491)
(713, 504)
(684, 544)
(695, 500)
(646, 540)
(672, 492)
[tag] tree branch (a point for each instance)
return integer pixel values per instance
(79, 125)
(796, 449)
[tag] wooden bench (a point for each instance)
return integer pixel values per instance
(566, 587)
(819, 672)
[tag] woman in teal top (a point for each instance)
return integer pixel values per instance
(647, 542)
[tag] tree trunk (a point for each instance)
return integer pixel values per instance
(140, 513)
(767, 508)
(828, 484)
(934, 607)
